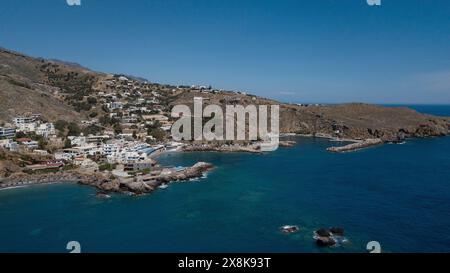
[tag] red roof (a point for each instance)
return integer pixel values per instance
(23, 139)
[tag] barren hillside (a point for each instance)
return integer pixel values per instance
(58, 90)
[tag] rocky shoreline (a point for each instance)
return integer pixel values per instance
(107, 184)
(252, 148)
(148, 184)
(225, 149)
(42, 179)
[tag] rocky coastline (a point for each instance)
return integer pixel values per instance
(223, 148)
(42, 179)
(144, 185)
(106, 183)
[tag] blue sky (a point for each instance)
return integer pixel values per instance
(296, 51)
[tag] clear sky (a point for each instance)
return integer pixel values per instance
(296, 51)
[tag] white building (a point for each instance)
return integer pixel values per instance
(9, 144)
(23, 120)
(27, 127)
(67, 154)
(114, 105)
(7, 132)
(31, 145)
(131, 157)
(85, 163)
(109, 149)
(88, 149)
(77, 140)
(97, 139)
(46, 130)
(12, 146)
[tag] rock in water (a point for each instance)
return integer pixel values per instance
(329, 236)
(337, 231)
(325, 241)
(323, 232)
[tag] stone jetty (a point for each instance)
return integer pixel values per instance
(356, 146)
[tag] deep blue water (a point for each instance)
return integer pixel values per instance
(438, 110)
(398, 195)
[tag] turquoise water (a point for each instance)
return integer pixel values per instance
(398, 195)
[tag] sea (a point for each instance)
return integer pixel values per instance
(396, 195)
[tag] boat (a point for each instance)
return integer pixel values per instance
(163, 186)
(287, 229)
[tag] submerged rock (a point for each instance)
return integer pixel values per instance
(323, 232)
(327, 237)
(337, 231)
(325, 241)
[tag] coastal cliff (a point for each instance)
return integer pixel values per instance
(362, 121)
(355, 121)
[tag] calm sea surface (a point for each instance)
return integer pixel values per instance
(398, 195)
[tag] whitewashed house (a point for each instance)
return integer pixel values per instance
(46, 130)
(115, 105)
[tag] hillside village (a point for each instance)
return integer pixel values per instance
(127, 124)
(124, 123)
(56, 116)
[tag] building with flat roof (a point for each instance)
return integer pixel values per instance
(138, 166)
(7, 133)
(46, 130)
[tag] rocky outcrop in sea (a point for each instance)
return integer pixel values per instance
(107, 184)
(142, 187)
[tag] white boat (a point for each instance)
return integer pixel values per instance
(289, 229)
(163, 186)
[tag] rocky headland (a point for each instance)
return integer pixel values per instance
(105, 182)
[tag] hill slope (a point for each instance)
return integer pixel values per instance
(25, 87)
(59, 90)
